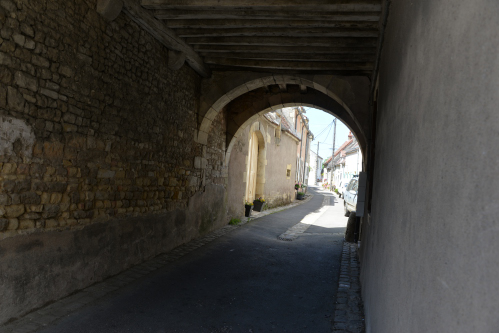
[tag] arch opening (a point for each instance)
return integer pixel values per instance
(250, 107)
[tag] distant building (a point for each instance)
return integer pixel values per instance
(315, 169)
(296, 116)
(347, 161)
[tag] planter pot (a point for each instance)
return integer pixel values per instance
(300, 196)
(247, 210)
(258, 205)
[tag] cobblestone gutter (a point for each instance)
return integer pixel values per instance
(349, 312)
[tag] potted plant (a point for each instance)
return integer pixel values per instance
(247, 208)
(300, 195)
(258, 204)
(297, 186)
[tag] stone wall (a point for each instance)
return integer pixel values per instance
(96, 142)
(429, 253)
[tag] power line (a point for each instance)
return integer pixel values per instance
(328, 126)
(329, 130)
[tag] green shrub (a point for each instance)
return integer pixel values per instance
(234, 221)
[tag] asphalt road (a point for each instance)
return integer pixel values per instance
(246, 281)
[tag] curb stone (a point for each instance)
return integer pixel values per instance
(308, 197)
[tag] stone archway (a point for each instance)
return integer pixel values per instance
(248, 108)
(351, 94)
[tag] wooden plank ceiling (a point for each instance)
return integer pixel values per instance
(280, 36)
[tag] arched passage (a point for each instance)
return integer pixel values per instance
(345, 95)
(247, 108)
(238, 101)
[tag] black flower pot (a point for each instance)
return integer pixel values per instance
(300, 196)
(258, 205)
(247, 210)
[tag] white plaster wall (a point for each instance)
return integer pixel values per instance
(430, 252)
(353, 165)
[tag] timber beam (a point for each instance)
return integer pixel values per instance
(277, 32)
(253, 14)
(285, 41)
(165, 35)
(242, 23)
(336, 5)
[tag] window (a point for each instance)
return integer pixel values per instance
(352, 185)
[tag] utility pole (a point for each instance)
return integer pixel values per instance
(332, 156)
(317, 168)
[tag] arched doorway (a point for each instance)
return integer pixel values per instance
(255, 164)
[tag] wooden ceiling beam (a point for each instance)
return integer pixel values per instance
(285, 41)
(165, 35)
(277, 32)
(221, 68)
(296, 65)
(333, 4)
(292, 56)
(173, 14)
(232, 24)
(258, 49)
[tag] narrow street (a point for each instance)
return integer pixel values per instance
(249, 280)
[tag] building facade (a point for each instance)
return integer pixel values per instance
(263, 163)
(347, 162)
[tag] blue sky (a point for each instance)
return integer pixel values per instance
(319, 122)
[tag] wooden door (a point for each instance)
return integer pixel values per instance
(252, 168)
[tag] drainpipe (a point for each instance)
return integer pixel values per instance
(301, 148)
(305, 162)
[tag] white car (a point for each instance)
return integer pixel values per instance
(342, 188)
(350, 196)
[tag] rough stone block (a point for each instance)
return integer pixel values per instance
(27, 81)
(102, 173)
(4, 223)
(50, 210)
(27, 30)
(40, 61)
(34, 208)
(14, 211)
(30, 198)
(18, 39)
(66, 71)
(49, 93)
(9, 168)
(55, 198)
(45, 198)
(15, 99)
(13, 224)
(26, 224)
(31, 216)
(5, 59)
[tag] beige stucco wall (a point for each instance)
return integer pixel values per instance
(278, 189)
